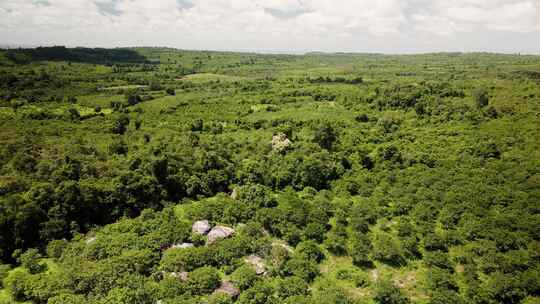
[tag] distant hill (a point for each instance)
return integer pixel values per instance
(87, 55)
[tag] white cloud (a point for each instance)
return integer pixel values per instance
(293, 25)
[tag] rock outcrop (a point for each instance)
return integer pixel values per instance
(257, 263)
(183, 245)
(201, 227)
(219, 232)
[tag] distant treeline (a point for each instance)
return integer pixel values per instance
(87, 55)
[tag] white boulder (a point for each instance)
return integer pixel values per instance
(201, 227)
(219, 232)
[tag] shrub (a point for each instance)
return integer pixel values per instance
(481, 97)
(302, 268)
(387, 293)
(67, 298)
(120, 125)
(4, 270)
(176, 260)
(55, 248)
(325, 136)
(310, 250)
(155, 86)
(387, 248)
(203, 280)
(362, 118)
(118, 147)
(30, 261)
(292, 286)
(17, 284)
(244, 277)
(360, 248)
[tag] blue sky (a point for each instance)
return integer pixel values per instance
(294, 26)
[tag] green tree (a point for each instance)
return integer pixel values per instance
(481, 97)
(325, 136)
(55, 248)
(4, 270)
(310, 250)
(17, 284)
(260, 293)
(30, 261)
(301, 267)
(387, 248)
(120, 125)
(387, 293)
(360, 248)
(244, 277)
(203, 280)
(292, 286)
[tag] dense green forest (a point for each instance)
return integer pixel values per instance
(156, 175)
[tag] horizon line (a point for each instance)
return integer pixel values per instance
(10, 46)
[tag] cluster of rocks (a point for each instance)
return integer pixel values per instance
(203, 227)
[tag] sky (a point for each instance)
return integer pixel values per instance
(283, 26)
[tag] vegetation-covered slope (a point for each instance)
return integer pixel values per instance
(347, 178)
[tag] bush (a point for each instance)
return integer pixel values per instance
(362, 118)
(4, 270)
(197, 125)
(387, 293)
(437, 259)
(155, 86)
(118, 147)
(302, 268)
(325, 136)
(55, 248)
(120, 125)
(30, 261)
(260, 293)
(72, 99)
(17, 284)
(244, 277)
(203, 280)
(387, 248)
(292, 286)
(133, 99)
(360, 248)
(481, 97)
(170, 287)
(67, 298)
(310, 250)
(176, 260)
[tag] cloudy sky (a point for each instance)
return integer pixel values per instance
(386, 26)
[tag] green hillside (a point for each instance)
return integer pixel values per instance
(345, 178)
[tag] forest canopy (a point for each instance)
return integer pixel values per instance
(156, 175)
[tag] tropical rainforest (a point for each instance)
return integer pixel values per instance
(157, 175)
